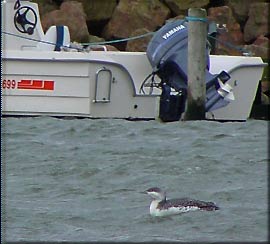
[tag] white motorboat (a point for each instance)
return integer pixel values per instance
(46, 74)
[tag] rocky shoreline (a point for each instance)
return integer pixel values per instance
(243, 24)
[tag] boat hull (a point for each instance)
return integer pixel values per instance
(106, 85)
(84, 85)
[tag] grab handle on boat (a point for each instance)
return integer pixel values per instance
(103, 86)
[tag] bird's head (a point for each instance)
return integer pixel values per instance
(156, 193)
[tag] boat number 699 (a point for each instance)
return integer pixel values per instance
(8, 84)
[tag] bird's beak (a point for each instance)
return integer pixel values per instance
(143, 192)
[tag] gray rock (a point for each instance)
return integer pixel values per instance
(258, 21)
(132, 15)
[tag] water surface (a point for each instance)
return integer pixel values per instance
(81, 179)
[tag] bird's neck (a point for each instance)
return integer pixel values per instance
(158, 200)
(153, 206)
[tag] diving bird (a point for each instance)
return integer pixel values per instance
(161, 206)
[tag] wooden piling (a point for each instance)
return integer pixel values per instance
(197, 34)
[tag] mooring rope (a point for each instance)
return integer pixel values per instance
(120, 40)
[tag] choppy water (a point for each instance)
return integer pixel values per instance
(81, 179)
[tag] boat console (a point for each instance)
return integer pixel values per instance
(25, 31)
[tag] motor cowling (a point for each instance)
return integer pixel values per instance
(168, 54)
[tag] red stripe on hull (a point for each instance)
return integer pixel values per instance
(47, 85)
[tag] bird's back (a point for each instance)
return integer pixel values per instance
(184, 203)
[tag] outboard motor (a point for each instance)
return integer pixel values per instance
(168, 54)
